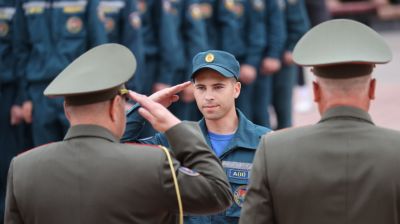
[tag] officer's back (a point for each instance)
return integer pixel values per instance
(342, 169)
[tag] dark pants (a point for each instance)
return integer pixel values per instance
(262, 99)
(282, 94)
(245, 100)
(145, 80)
(49, 123)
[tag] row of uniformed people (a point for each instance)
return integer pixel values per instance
(164, 35)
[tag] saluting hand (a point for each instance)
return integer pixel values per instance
(169, 95)
(160, 117)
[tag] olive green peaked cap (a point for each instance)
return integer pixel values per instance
(341, 41)
(95, 76)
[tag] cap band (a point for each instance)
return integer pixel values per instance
(343, 71)
(89, 98)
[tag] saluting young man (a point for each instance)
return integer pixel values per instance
(227, 131)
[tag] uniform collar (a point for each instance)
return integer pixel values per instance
(346, 111)
(88, 130)
(246, 135)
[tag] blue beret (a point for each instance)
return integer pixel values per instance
(220, 61)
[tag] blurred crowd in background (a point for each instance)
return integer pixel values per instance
(38, 39)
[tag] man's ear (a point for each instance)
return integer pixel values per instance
(66, 111)
(237, 87)
(316, 92)
(113, 109)
(371, 90)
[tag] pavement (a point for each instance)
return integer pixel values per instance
(385, 109)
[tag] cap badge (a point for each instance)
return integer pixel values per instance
(209, 58)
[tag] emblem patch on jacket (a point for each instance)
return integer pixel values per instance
(109, 24)
(188, 171)
(135, 20)
(239, 194)
(4, 28)
(74, 24)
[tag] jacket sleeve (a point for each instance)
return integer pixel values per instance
(275, 29)
(257, 207)
(12, 213)
(134, 127)
(22, 48)
(297, 23)
(96, 30)
(256, 39)
(204, 187)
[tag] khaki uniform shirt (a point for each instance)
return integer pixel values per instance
(342, 170)
(90, 178)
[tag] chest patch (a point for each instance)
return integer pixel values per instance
(74, 24)
(239, 195)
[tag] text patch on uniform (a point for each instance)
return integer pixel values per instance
(239, 174)
(237, 170)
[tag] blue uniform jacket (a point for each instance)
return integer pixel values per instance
(209, 10)
(7, 59)
(123, 25)
(242, 32)
(51, 34)
(236, 159)
(151, 14)
(157, 23)
(185, 36)
(297, 22)
(275, 29)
